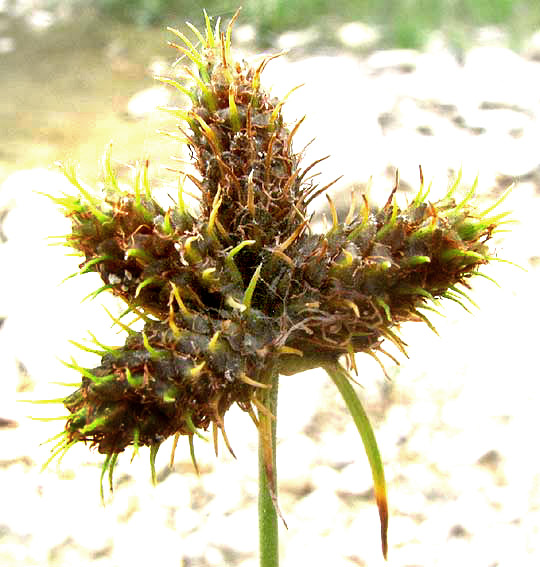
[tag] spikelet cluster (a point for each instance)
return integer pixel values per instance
(246, 283)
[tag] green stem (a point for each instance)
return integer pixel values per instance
(268, 522)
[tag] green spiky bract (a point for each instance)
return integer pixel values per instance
(244, 288)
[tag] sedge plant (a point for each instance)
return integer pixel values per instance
(244, 290)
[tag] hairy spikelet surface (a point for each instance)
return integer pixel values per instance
(245, 283)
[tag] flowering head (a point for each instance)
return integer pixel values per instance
(245, 285)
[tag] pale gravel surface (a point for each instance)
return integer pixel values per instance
(456, 426)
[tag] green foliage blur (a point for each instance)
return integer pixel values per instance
(403, 23)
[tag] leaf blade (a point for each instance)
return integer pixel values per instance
(341, 379)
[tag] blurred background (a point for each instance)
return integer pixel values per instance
(388, 85)
(70, 67)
